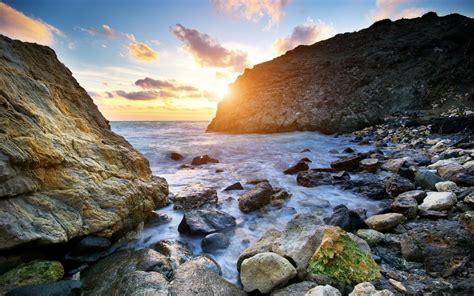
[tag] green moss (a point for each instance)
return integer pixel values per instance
(35, 272)
(339, 257)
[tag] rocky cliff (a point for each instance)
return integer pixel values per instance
(63, 172)
(355, 79)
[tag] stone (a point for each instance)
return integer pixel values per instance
(175, 251)
(346, 219)
(449, 169)
(60, 288)
(214, 241)
(438, 201)
(418, 195)
(369, 185)
(64, 173)
(347, 164)
(265, 272)
(279, 194)
(256, 198)
(367, 289)
(264, 244)
(369, 164)
(405, 205)
(205, 221)
(91, 244)
(463, 179)
(140, 282)
(372, 237)
(300, 166)
(469, 199)
(326, 290)
(398, 286)
(235, 186)
(297, 289)
(396, 185)
(314, 178)
(31, 273)
(467, 220)
(448, 186)
(385, 222)
(394, 165)
(428, 214)
(427, 179)
(340, 258)
(203, 159)
(175, 156)
(194, 196)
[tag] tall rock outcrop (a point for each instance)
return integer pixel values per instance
(355, 79)
(63, 172)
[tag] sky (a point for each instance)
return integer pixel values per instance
(173, 60)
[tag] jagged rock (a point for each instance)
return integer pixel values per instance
(367, 289)
(61, 288)
(194, 196)
(175, 156)
(347, 164)
(205, 221)
(214, 241)
(346, 219)
(176, 251)
(372, 237)
(418, 195)
(60, 160)
(427, 179)
(385, 222)
(257, 197)
(265, 272)
(279, 194)
(438, 201)
(326, 290)
(203, 159)
(396, 185)
(235, 186)
(300, 166)
(405, 205)
(314, 178)
(330, 87)
(369, 164)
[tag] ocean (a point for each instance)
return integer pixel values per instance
(241, 158)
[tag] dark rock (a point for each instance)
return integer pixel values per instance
(205, 221)
(427, 179)
(429, 214)
(314, 178)
(194, 196)
(297, 289)
(463, 179)
(256, 181)
(279, 194)
(177, 252)
(348, 150)
(158, 219)
(235, 186)
(369, 185)
(91, 244)
(450, 125)
(203, 159)
(347, 164)
(418, 195)
(257, 197)
(61, 288)
(396, 185)
(300, 166)
(214, 241)
(405, 205)
(305, 150)
(305, 159)
(175, 156)
(346, 219)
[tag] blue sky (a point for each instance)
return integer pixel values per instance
(112, 45)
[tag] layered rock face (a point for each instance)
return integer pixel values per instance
(63, 172)
(355, 79)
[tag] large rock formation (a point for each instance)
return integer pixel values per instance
(355, 79)
(63, 172)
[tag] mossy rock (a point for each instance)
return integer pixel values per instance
(339, 257)
(34, 272)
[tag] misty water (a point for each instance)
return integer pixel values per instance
(241, 158)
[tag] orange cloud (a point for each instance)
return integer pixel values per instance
(16, 25)
(306, 34)
(142, 52)
(389, 9)
(108, 32)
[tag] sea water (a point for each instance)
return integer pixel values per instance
(241, 158)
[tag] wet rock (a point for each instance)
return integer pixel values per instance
(256, 198)
(369, 164)
(300, 166)
(203, 159)
(446, 186)
(305, 150)
(418, 195)
(372, 237)
(235, 186)
(346, 219)
(34, 272)
(340, 258)
(214, 241)
(89, 249)
(314, 203)
(314, 178)
(61, 288)
(175, 156)
(175, 251)
(158, 219)
(326, 290)
(405, 205)
(256, 181)
(265, 272)
(347, 164)
(348, 150)
(369, 185)
(298, 289)
(438, 201)
(393, 165)
(463, 179)
(427, 179)
(367, 289)
(467, 219)
(428, 214)
(396, 185)
(305, 159)
(194, 196)
(264, 244)
(385, 222)
(279, 194)
(398, 286)
(205, 221)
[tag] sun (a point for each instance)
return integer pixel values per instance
(221, 90)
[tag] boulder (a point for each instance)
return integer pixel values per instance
(300, 166)
(418, 195)
(347, 164)
(235, 186)
(385, 222)
(396, 185)
(205, 221)
(175, 156)
(194, 196)
(264, 244)
(64, 174)
(369, 164)
(372, 237)
(405, 205)
(31, 273)
(214, 241)
(256, 198)
(369, 185)
(427, 179)
(394, 165)
(367, 289)
(449, 169)
(175, 251)
(297, 289)
(203, 159)
(446, 186)
(326, 290)
(60, 288)
(463, 179)
(265, 272)
(314, 178)
(346, 219)
(340, 258)
(438, 201)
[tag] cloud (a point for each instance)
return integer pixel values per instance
(107, 32)
(142, 52)
(207, 51)
(308, 33)
(254, 9)
(15, 24)
(150, 83)
(144, 95)
(222, 75)
(390, 9)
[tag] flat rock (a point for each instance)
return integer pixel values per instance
(393, 165)
(298, 289)
(369, 164)
(418, 195)
(256, 198)
(446, 186)
(367, 289)
(194, 196)
(405, 205)
(313, 178)
(347, 164)
(205, 221)
(438, 201)
(372, 237)
(385, 222)
(396, 185)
